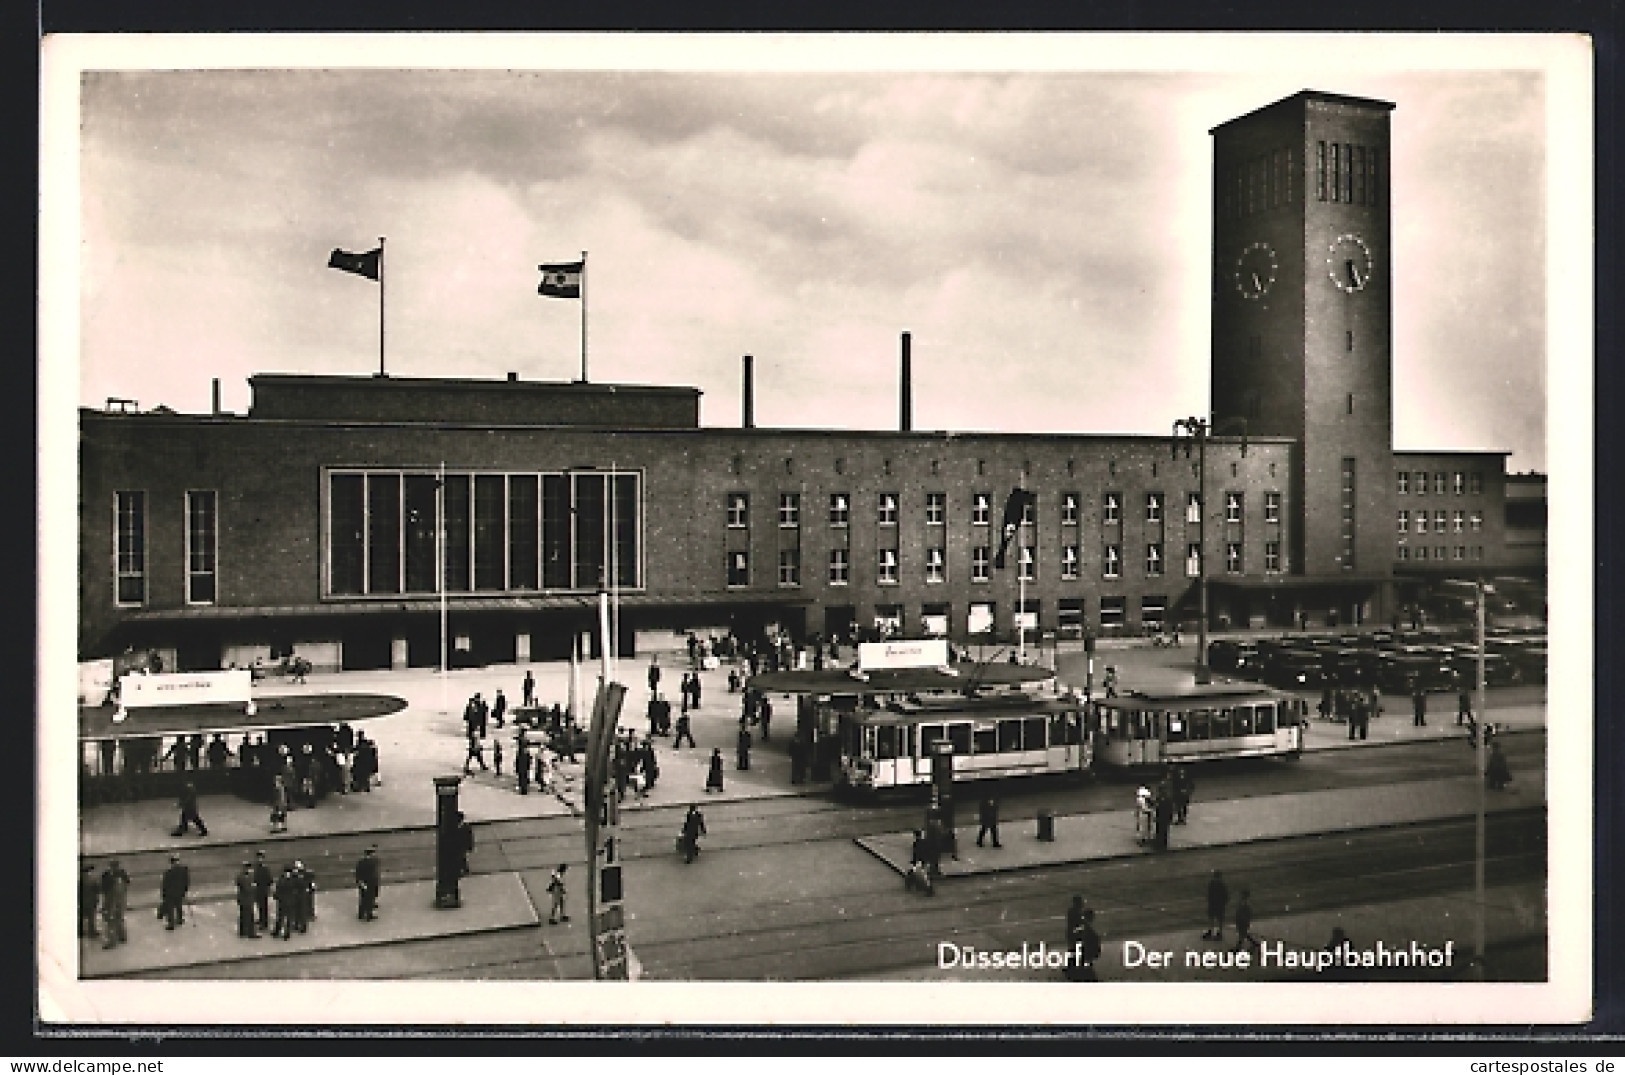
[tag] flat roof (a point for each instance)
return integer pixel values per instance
(394, 383)
(1306, 96)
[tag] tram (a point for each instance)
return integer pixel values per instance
(1240, 721)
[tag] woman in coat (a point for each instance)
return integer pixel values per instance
(713, 780)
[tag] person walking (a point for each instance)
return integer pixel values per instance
(684, 731)
(279, 804)
(654, 677)
(521, 767)
(304, 905)
(764, 715)
(189, 814)
(742, 747)
(1419, 707)
(555, 888)
(476, 753)
(713, 778)
(246, 926)
(499, 708)
(90, 894)
(987, 817)
(1218, 901)
(1162, 808)
(465, 844)
(263, 880)
(919, 865)
(496, 755)
(527, 690)
(694, 689)
(115, 902)
(1110, 682)
(286, 893)
(368, 880)
(1244, 922)
(172, 888)
(693, 829)
(1083, 941)
(1183, 787)
(1464, 707)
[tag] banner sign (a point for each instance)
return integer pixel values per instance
(921, 653)
(145, 691)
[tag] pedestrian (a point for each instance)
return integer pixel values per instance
(1497, 774)
(1085, 942)
(189, 814)
(465, 844)
(115, 902)
(172, 888)
(1419, 708)
(1110, 682)
(1464, 707)
(654, 676)
(764, 714)
(245, 902)
(1218, 901)
(1362, 715)
(263, 880)
(693, 829)
(682, 689)
(528, 690)
(218, 751)
(287, 900)
(694, 689)
(1163, 814)
(1244, 922)
(1144, 814)
(555, 888)
(684, 731)
(368, 879)
(496, 755)
(987, 816)
(90, 894)
(499, 708)
(1183, 787)
(304, 897)
(476, 753)
(919, 865)
(521, 766)
(713, 779)
(279, 804)
(742, 747)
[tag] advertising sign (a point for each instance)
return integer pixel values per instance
(149, 690)
(918, 653)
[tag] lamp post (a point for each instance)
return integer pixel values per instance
(1483, 763)
(1198, 430)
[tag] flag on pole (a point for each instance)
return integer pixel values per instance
(361, 264)
(561, 280)
(1014, 509)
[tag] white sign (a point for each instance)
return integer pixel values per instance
(138, 691)
(923, 653)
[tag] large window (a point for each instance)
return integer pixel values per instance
(1111, 512)
(936, 564)
(1153, 559)
(1069, 561)
(495, 532)
(1153, 507)
(1404, 521)
(840, 509)
(886, 567)
(202, 531)
(1069, 509)
(739, 568)
(789, 510)
(1112, 612)
(980, 559)
(1112, 562)
(738, 510)
(1404, 483)
(789, 567)
(130, 547)
(1193, 559)
(1272, 556)
(1029, 563)
(936, 509)
(1272, 507)
(1232, 557)
(840, 567)
(981, 507)
(1232, 507)
(886, 509)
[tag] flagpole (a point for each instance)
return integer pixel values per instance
(381, 372)
(583, 317)
(440, 571)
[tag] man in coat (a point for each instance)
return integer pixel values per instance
(263, 880)
(90, 894)
(115, 901)
(189, 814)
(368, 880)
(1218, 900)
(987, 816)
(245, 902)
(1419, 707)
(172, 888)
(287, 903)
(499, 708)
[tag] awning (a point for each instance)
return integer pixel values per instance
(459, 604)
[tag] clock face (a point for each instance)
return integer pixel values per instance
(1255, 271)
(1349, 263)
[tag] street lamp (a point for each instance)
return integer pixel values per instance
(1198, 430)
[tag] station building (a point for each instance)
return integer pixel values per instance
(343, 517)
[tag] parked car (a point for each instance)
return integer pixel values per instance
(1295, 669)
(1230, 655)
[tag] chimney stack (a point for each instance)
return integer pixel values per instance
(906, 401)
(215, 396)
(749, 419)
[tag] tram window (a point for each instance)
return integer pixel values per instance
(1009, 735)
(1221, 723)
(1178, 727)
(959, 736)
(1134, 724)
(930, 733)
(906, 738)
(1032, 734)
(1200, 724)
(885, 742)
(1265, 724)
(986, 740)
(1244, 720)
(853, 739)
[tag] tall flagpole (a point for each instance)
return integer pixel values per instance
(440, 571)
(583, 317)
(614, 580)
(381, 372)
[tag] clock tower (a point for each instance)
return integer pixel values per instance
(1302, 326)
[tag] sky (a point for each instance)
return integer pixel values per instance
(1042, 234)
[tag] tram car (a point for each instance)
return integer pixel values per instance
(886, 743)
(1143, 728)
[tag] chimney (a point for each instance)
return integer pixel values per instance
(215, 396)
(906, 400)
(748, 421)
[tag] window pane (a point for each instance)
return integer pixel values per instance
(490, 508)
(200, 546)
(959, 736)
(456, 539)
(524, 531)
(588, 571)
(1032, 734)
(420, 532)
(556, 557)
(347, 523)
(625, 513)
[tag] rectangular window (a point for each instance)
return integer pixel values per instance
(1458, 521)
(1232, 507)
(936, 509)
(1371, 176)
(1069, 509)
(1347, 174)
(980, 508)
(1029, 510)
(202, 533)
(1112, 565)
(789, 567)
(1153, 507)
(524, 520)
(624, 509)
(1404, 483)
(1336, 171)
(1460, 552)
(347, 526)
(1193, 508)
(1440, 522)
(1112, 511)
(1476, 521)
(1404, 521)
(1359, 174)
(1232, 557)
(1348, 514)
(1458, 483)
(130, 548)
(1069, 617)
(1476, 483)
(1153, 559)
(490, 505)
(840, 567)
(1421, 483)
(1153, 612)
(1421, 552)
(1028, 564)
(886, 509)
(1404, 552)
(1272, 556)
(886, 567)
(1478, 552)
(1193, 559)
(840, 509)
(1439, 552)
(383, 533)
(980, 562)
(936, 564)
(789, 510)
(557, 552)
(1069, 561)
(1438, 484)
(1272, 507)
(739, 568)
(1113, 612)
(738, 511)
(1320, 171)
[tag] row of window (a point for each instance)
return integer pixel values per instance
(130, 546)
(1259, 184)
(981, 618)
(1346, 173)
(1460, 483)
(887, 512)
(1441, 552)
(888, 567)
(1455, 522)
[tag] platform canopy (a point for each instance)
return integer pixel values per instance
(958, 677)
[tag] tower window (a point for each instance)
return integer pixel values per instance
(1336, 170)
(1351, 403)
(1348, 340)
(1320, 171)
